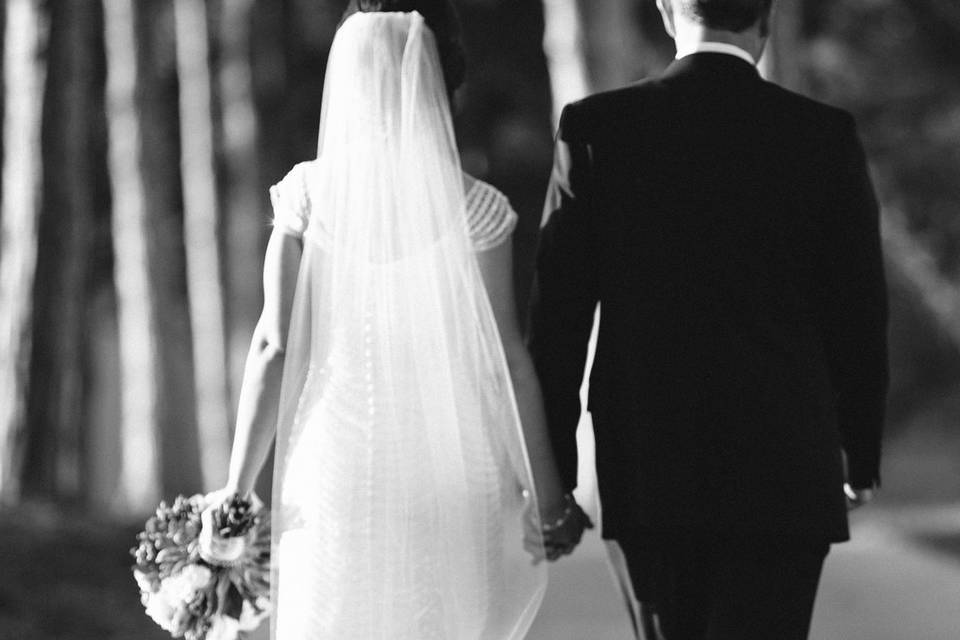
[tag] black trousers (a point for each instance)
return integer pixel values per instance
(706, 587)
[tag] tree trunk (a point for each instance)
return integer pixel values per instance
(160, 452)
(135, 303)
(615, 49)
(563, 44)
(23, 81)
(180, 467)
(781, 61)
(3, 93)
(269, 44)
(201, 208)
(247, 206)
(57, 410)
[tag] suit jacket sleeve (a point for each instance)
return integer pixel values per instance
(855, 328)
(565, 294)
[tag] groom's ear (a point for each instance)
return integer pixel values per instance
(666, 11)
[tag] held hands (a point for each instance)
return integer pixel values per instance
(564, 528)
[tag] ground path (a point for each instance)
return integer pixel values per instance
(889, 583)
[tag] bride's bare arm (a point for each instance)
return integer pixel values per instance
(496, 268)
(260, 392)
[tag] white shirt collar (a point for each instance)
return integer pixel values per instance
(714, 47)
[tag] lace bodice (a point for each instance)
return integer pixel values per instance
(490, 218)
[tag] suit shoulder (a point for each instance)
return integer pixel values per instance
(599, 111)
(814, 111)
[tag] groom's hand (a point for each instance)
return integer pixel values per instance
(857, 497)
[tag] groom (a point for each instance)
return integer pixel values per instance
(729, 231)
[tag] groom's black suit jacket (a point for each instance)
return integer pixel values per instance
(729, 230)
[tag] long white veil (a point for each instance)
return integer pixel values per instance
(402, 484)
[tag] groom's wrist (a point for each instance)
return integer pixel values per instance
(552, 508)
(559, 514)
(863, 470)
(863, 481)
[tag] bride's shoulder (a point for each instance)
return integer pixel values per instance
(295, 181)
(298, 173)
(291, 199)
(490, 217)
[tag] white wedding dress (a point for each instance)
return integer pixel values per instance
(402, 491)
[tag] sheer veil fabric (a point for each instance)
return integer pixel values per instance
(402, 490)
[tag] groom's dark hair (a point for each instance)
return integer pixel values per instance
(726, 15)
(443, 21)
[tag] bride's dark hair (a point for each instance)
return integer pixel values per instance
(442, 19)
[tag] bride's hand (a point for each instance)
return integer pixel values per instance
(215, 499)
(214, 544)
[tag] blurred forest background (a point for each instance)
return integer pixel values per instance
(139, 140)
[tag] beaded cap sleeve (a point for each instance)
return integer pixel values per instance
(291, 201)
(490, 218)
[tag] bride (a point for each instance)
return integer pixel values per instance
(415, 492)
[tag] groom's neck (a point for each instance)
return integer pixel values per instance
(690, 33)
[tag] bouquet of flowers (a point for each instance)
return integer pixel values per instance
(203, 566)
